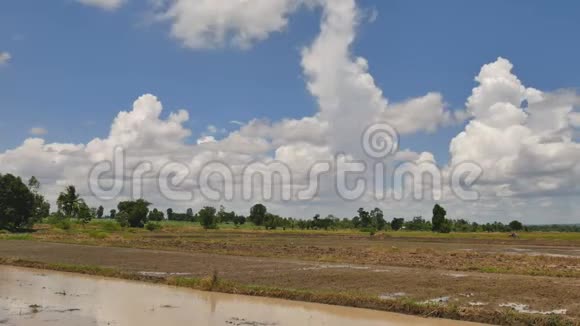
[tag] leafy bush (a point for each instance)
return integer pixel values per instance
(136, 212)
(98, 234)
(123, 219)
(152, 226)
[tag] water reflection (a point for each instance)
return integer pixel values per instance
(31, 297)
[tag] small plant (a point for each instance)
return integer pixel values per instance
(98, 234)
(152, 226)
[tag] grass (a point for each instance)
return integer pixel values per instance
(406, 306)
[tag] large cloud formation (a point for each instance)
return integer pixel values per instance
(523, 138)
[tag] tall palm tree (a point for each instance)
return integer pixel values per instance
(68, 201)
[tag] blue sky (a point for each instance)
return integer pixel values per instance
(75, 67)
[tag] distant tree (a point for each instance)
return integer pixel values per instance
(461, 225)
(137, 212)
(516, 225)
(438, 218)
(272, 221)
(156, 215)
(189, 213)
(356, 222)
(207, 216)
(239, 220)
(397, 224)
(378, 219)
(16, 203)
(122, 218)
(113, 213)
(225, 216)
(41, 207)
(418, 224)
(68, 201)
(84, 213)
(446, 227)
(258, 214)
(364, 218)
(33, 184)
(100, 212)
(170, 213)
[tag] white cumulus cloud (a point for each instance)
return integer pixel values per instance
(217, 23)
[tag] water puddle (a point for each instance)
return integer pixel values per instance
(162, 274)
(440, 300)
(524, 308)
(392, 296)
(456, 275)
(28, 298)
(332, 266)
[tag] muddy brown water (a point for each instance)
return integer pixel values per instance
(38, 297)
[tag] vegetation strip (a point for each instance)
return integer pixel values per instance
(214, 284)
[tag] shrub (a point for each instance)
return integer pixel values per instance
(98, 234)
(59, 221)
(123, 219)
(152, 226)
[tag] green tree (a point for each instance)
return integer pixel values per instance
(397, 223)
(68, 202)
(516, 225)
(438, 218)
(156, 215)
(122, 218)
(272, 221)
(100, 212)
(377, 218)
(170, 213)
(207, 216)
(41, 207)
(84, 213)
(258, 214)
(225, 216)
(137, 212)
(365, 220)
(239, 220)
(16, 203)
(113, 213)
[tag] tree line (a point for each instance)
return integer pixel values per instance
(21, 205)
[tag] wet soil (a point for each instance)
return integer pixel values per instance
(487, 290)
